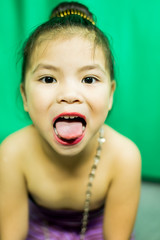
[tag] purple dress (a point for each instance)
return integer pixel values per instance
(46, 224)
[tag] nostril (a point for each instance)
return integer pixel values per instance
(69, 98)
(69, 101)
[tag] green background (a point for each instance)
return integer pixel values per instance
(133, 28)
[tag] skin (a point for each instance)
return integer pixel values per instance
(117, 181)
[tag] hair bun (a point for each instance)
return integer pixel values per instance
(67, 8)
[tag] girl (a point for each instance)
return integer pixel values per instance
(68, 176)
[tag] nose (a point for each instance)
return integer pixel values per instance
(69, 95)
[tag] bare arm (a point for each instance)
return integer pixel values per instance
(123, 196)
(13, 197)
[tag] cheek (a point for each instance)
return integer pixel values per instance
(101, 105)
(101, 99)
(38, 101)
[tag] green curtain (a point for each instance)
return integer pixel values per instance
(133, 28)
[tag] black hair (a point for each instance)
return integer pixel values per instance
(68, 14)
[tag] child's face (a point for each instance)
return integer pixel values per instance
(67, 77)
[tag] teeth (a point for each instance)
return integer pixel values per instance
(83, 128)
(69, 117)
(66, 117)
(56, 131)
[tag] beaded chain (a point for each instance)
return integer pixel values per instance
(101, 140)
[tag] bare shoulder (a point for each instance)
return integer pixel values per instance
(13, 188)
(13, 147)
(125, 152)
(124, 191)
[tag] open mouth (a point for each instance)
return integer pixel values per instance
(69, 128)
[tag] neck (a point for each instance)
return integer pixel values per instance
(71, 162)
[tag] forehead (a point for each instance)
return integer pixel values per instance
(67, 48)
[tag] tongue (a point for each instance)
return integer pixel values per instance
(69, 130)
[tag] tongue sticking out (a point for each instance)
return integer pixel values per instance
(69, 129)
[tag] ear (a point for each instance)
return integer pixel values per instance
(112, 90)
(24, 98)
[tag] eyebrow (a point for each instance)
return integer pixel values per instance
(92, 67)
(82, 69)
(44, 66)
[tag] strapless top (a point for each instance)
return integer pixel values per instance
(51, 224)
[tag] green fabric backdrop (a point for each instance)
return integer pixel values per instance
(134, 31)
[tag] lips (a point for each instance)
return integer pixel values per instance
(69, 128)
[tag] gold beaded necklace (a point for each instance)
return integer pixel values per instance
(101, 140)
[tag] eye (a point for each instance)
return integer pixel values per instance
(48, 79)
(89, 80)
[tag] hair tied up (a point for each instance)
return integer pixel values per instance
(69, 9)
(68, 15)
(71, 12)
